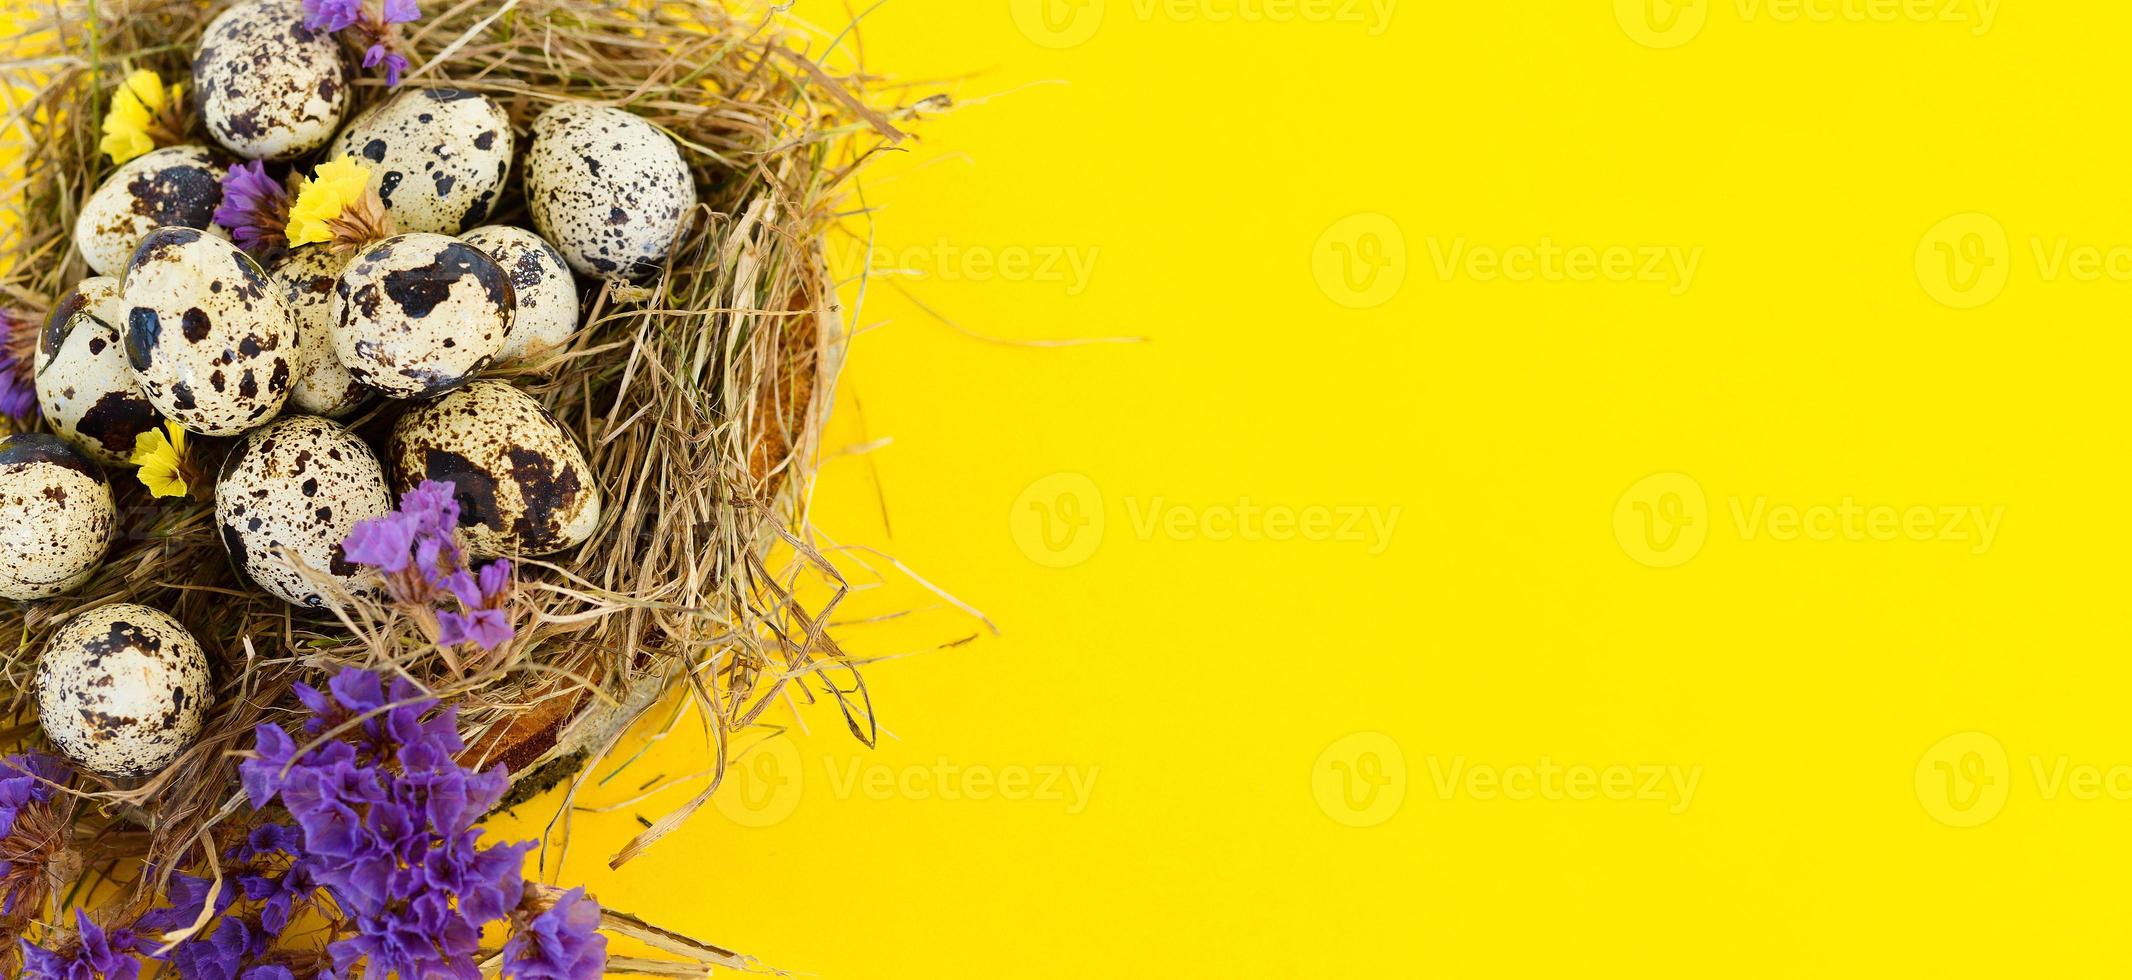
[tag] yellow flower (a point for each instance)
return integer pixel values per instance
(131, 122)
(162, 460)
(339, 183)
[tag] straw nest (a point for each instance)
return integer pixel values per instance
(697, 396)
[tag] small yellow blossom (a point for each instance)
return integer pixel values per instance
(339, 183)
(130, 124)
(162, 460)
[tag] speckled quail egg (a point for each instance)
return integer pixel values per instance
(56, 517)
(300, 484)
(176, 186)
(521, 481)
(417, 315)
(207, 333)
(85, 389)
(546, 311)
(307, 278)
(122, 690)
(438, 156)
(268, 87)
(609, 189)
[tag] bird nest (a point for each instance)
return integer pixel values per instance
(697, 394)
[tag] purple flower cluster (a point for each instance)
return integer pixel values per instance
(18, 388)
(385, 825)
(340, 15)
(417, 549)
(98, 955)
(254, 208)
(25, 781)
(379, 841)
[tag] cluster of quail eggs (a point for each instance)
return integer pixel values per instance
(178, 324)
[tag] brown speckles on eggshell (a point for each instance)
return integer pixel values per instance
(266, 86)
(522, 482)
(85, 389)
(417, 315)
(57, 517)
(297, 486)
(122, 689)
(323, 386)
(176, 186)
(438, 157)
(181, 330)
(610, 190)
(546, 309)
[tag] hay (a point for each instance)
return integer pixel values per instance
(698, 397)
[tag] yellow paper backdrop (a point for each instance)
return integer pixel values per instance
(1625, 489)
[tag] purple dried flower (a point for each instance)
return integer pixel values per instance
(381, 541)
(18, 387)
(255, 209)
(332, 15)
(96, 955)
(395, 63)
(563, 943)
(486, 628)
(434, 506)
(402, 11)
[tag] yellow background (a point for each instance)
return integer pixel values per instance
(1811, 155)
(1264, 716)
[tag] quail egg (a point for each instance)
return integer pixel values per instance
(417, 315)
(122, 690)
(268, 87)
(176, 186)
(609, 189)
(323, 385)
(291, 492)
(521, 481)
(57, 517)
(438, 156)
(85, 389)
(546, 312)
(207, 333)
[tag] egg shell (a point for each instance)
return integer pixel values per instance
(57, 517)
(438, 157)
(610, 190)
(546, 312)
(122, 690)
(521, 481)
(307, 278)
(417, 315)
(176, 186)
(85, 389)
(300, 483)
(207, 333)
(268, 87)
